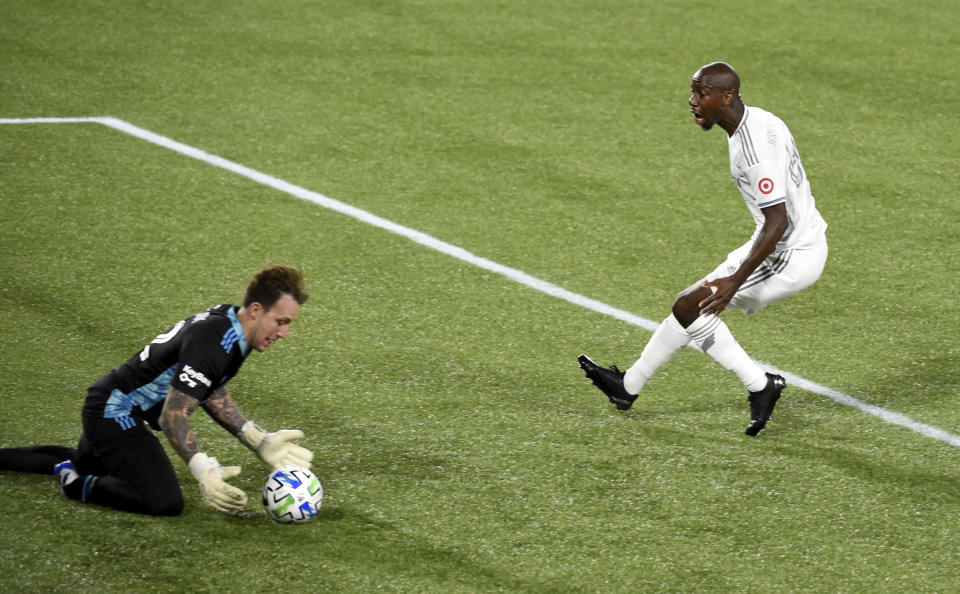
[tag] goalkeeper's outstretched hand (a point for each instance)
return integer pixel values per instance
(276, 448)
(214, 486)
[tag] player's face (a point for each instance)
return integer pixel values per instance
(705, 104)
(270, 325)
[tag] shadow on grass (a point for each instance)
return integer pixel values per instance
(919, 483)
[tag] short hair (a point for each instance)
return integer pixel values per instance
(271, 282)
(719, 75)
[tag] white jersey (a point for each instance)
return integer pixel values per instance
(766, 166)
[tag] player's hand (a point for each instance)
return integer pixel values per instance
(214, 486)
(276, 448)
(722, 291)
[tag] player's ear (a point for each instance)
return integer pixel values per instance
(255, 309)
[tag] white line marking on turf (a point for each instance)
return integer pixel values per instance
(466, 256)
(48, 120)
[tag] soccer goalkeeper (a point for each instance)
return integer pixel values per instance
(120, 463)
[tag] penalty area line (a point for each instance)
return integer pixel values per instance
(461, 254)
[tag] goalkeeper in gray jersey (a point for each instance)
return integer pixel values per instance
(119, 462)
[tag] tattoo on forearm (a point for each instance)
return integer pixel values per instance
(222, 409)
(173, 420)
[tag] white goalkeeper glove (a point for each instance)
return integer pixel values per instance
(214, 486)
(275, 448)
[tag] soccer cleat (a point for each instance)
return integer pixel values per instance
(66, 473)
(762, 403)
(610, 382)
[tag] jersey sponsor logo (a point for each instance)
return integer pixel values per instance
(765, 185)
(189, 374)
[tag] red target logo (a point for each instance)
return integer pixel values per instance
(765, 185)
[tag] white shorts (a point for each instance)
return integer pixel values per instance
(780, 275)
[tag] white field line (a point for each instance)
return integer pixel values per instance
(466, 256)
(48, 120)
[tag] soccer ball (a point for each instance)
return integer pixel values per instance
(292, 494)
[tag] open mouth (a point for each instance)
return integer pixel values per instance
(697, 117)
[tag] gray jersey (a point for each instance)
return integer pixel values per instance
(766, 166)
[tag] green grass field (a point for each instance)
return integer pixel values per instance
(460, 447)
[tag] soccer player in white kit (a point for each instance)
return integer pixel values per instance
(786, 253)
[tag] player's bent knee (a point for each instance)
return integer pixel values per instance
(170, 508)
(686, 308)
(171, 505)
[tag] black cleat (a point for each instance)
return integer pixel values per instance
(610, 382)
(762, 403)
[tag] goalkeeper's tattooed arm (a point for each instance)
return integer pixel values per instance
(173, 420)
(223, 409)
(209, 473)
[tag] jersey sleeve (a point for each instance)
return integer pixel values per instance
(766, 183)
(767, 174)
(202, 362)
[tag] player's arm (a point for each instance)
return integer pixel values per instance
(275, 449)
(774, 226)
(177, 407)
(173, 421)
(224, 410)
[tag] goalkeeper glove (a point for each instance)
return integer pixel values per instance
(213, 485)
(275, 448)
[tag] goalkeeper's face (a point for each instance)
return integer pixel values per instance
(270, 325)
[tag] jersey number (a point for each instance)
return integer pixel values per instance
(165, 337)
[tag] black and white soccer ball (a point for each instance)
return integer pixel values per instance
(292, 494)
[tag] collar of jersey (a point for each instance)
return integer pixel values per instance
(238, 327)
